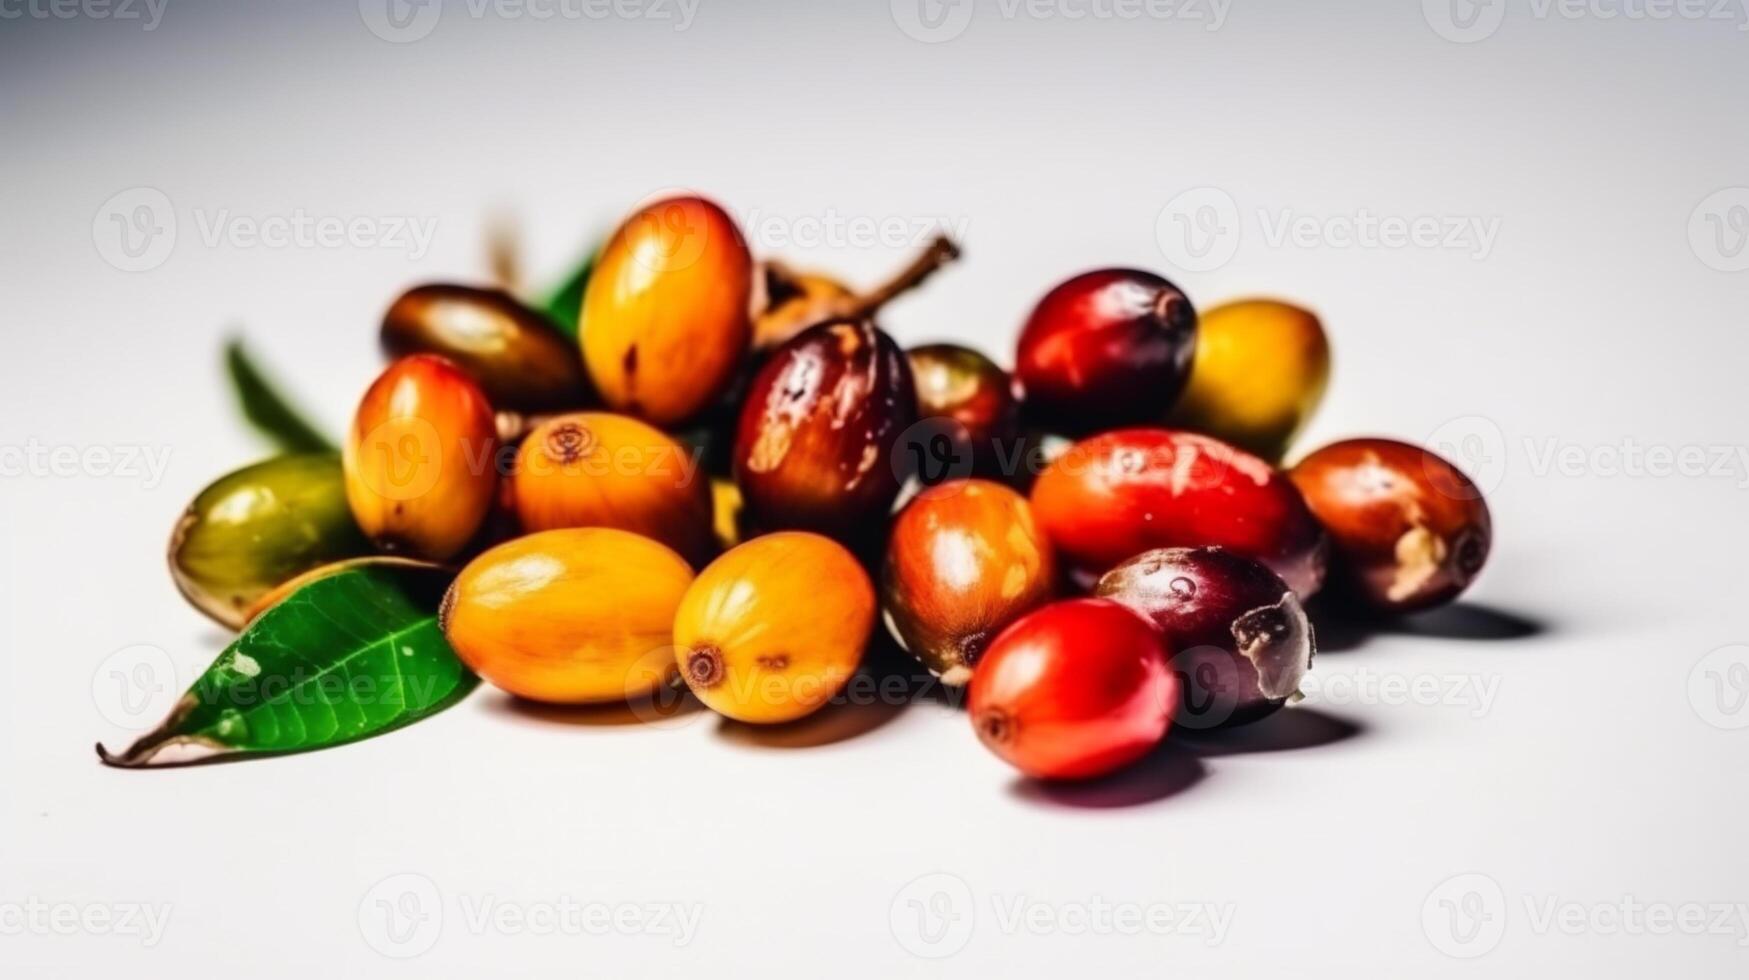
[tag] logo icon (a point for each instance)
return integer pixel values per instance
(933, 915)
(1475, 445)
(400, 21)
(1464, 21)
(654, 696)
(402, 458)
(401, 916)
(934, 450)
(134, 686)
(135, 231)
(1211, 687)
(1718, 230)
(932, 21)
(668, 233)
(1718, 687)
(1199, 229)
(1465, 916)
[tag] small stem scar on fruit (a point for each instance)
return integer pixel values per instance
(993, 725)
(704, 666)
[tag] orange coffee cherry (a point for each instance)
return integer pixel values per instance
(573, 616)
(596, 469)
(419, 459)
(773, 629)
(665, 316)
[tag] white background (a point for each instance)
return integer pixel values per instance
(1598, 773)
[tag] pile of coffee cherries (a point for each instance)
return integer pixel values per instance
(733, 468)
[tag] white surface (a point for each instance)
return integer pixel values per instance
(1593, 778)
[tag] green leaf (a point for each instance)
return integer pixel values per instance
(353, 654)
(267, 409)
(566, 303)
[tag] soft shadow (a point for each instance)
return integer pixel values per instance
(1340, 629)
(1472, 621)
(891, 674)
(1287, 730)
(667, 706)
(214, 638)
(839, 721)
(1164, 773)
(888, 681)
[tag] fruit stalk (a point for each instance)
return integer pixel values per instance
(940, 251)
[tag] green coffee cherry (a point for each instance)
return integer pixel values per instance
(258, 527)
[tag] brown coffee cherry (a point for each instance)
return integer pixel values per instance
(518, 355)
(1240, 639)
(1408, 530)
(814, 447)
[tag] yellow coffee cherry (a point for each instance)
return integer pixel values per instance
(773, 629)
(572, 616)
(1259, 374)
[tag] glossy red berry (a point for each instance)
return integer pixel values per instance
(1115, 495)
(1106, 348)
(1073, 690)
